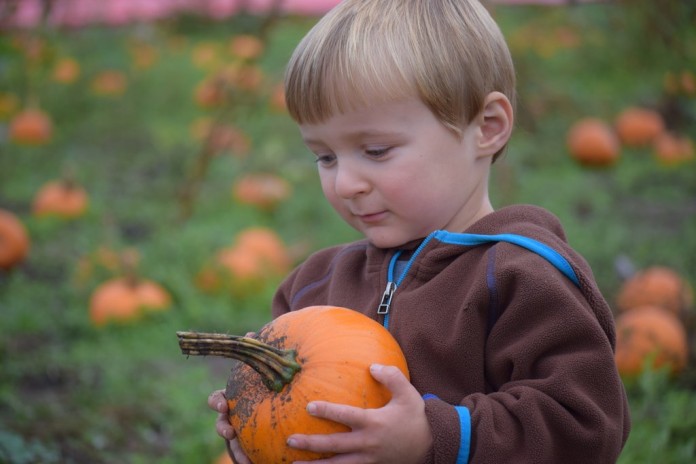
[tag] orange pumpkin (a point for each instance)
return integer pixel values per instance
(125, 299)
(245, 46)
(637, 126)
(671, 149)
(649, 331)
(656, 286)
(316, 353)
(31, 126)
(110, 83)
(257, 255)
(232, 269)
(241, 270)
(593, 143)
(14, 241)
(66, 71)
(61, 198)
(210, 93)
(265, 191)
(267, 246)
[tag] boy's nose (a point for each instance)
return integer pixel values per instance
(350, 181)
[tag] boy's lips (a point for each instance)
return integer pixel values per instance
(371, 217)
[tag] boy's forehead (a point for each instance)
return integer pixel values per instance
(339, 95)
(373, 121)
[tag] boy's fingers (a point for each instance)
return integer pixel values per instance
(347, 415)
(217, 401)
(325, 443)
(392, 378)
(235, 450)
(224, 429)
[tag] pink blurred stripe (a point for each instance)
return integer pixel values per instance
(541, 2)
(115, 12)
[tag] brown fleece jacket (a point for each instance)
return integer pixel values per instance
(514, 359)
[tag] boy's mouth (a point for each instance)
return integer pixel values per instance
(371, 218)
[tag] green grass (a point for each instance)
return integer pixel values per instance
(70, 392)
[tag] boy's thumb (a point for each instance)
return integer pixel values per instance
(389, 376)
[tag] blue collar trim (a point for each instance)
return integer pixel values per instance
(535, 246)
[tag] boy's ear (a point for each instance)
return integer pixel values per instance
(495, 124)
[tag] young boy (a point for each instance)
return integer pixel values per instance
(406, 104)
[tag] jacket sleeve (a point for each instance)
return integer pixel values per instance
(451, 429)
(556, 395)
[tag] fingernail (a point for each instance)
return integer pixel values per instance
(292, 442)
(311, 408)
(219, 406)
(227, 434)
(376, 367)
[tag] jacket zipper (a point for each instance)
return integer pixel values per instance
(392, 285)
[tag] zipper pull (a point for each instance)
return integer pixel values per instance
(386, 298)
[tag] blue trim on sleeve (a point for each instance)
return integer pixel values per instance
(464, 434)
(464, 430)
(535, 246)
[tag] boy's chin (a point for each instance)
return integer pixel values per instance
(381, 241)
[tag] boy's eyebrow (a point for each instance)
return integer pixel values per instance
(311, 141)
(358, 135)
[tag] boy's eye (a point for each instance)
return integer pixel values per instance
(376, 152)
(325, 160)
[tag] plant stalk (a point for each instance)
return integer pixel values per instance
(276, 366)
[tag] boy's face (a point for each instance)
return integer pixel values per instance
(395, 173)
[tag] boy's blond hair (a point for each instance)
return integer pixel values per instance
(449, 53)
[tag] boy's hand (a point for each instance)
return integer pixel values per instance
(217, 402)
(396, 433)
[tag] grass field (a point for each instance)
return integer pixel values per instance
(73, 392)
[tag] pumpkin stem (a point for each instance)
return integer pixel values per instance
(276, 366)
